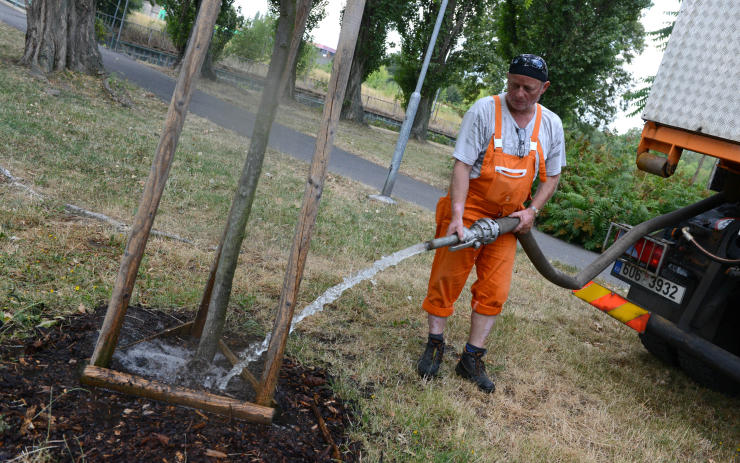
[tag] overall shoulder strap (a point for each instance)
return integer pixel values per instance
(534, 145)
(498, 142)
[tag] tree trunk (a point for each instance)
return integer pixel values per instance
(352, 109)
(60, 36)
(241, 205)
(290, 84)
(300, 19)
(206, 70)
(421, 121)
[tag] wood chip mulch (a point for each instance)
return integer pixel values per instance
(43, 408)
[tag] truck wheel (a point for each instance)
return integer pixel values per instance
(659, 348)
(706, 375)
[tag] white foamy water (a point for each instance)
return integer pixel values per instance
(163, 362)
(253, 352)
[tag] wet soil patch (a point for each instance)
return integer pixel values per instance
(43, 406)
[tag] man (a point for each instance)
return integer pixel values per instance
(504, 142)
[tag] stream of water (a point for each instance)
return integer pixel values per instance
(252, 353)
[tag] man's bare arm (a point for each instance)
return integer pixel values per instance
(458, 193)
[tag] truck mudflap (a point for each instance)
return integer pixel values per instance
(614, 305)
(641, 320)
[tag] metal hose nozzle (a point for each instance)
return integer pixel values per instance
(481, 232)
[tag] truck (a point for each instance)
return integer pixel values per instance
(689, 272)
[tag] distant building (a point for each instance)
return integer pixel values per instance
(326, 54)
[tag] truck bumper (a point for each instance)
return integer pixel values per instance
(641, 320)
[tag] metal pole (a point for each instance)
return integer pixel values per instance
(123, 18)
(113, 25)
(403, 137)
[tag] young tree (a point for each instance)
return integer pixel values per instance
(377, 20)
(61, 35)
(585, 43)
(241, 206)
(416, 31)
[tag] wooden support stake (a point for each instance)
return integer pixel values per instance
(233, 359)
(123, 287)
(179, 329)
(136, 385)
(311, 198)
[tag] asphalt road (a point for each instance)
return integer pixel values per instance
(301, 146)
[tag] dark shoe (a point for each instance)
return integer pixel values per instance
(472, 367)
(431, 359)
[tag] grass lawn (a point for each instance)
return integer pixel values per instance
(573, 384)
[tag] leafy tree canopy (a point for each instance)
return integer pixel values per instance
(378, 18)
(415, 28)
(585, 43)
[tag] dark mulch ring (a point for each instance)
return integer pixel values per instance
(43, 406)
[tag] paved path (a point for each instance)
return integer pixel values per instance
(289, 141)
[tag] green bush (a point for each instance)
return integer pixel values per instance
(602, 184)
(381, 79)
(254, 40)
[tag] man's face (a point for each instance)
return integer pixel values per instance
(523, 91)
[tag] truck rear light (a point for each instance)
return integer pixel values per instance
(647, 253)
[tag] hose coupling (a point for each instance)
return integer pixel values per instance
(482, 232)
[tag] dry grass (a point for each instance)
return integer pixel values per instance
(573, 385)
(142, 19)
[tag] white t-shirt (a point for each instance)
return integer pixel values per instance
(478, 126)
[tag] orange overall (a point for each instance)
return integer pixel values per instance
(504, 184)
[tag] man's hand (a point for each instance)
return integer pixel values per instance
(526, 220)
(456, 226)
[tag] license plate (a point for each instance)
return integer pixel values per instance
(658, 285)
